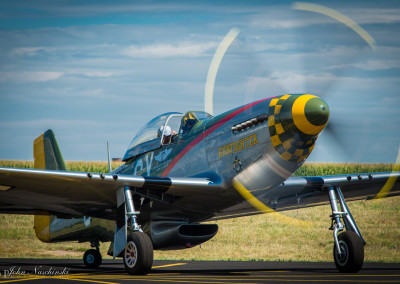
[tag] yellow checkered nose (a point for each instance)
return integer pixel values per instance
(310, 114)
(294, 122)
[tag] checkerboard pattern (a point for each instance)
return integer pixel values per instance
(290, 148)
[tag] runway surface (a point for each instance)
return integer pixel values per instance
(73, 271)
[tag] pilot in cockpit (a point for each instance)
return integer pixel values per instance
(188, 121)
(167, 134)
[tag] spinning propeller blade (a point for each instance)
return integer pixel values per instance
(334, 128)
(214, 66)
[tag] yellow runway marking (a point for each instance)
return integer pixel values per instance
(334, 280)
(273, 271)
(269, 278)
(166, 274)
(175, 281)
(105, 276)
(168, 277)
(4, 187)
(15, 280)
(88, 280)
(215, 277)
(167, 265)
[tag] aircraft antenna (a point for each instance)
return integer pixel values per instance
(108, 156)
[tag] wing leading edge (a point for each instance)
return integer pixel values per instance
(300, 192)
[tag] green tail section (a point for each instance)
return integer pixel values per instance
(47, 154)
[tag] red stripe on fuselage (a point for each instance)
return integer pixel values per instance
(208, 132)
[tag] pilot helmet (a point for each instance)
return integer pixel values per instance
(167, 131)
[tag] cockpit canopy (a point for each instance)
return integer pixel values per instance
(149, 137)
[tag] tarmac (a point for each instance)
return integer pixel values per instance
(164, 271)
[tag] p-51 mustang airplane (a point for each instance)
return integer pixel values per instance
(160, 196)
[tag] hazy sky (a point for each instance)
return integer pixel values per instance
(98, 70)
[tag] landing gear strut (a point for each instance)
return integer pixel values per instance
(348, 251)
(92, 257)
(138, 251)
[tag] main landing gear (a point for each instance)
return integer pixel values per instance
(92, 257)
(348, 251)
(138, 252)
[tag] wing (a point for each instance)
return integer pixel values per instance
(299, 192)
(91, 194)
(50, 187)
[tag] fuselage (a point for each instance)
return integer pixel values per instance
(261, 144)
(258, 145)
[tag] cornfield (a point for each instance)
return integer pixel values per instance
(308, 169)
(259, 237)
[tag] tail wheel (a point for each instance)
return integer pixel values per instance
(138, 254)
(92, 258)
(351, 258)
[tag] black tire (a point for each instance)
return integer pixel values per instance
(92, 258)
(138, 244)
(352, 257)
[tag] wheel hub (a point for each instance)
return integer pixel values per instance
(90, 258)
(130, 254)
(344, 256)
